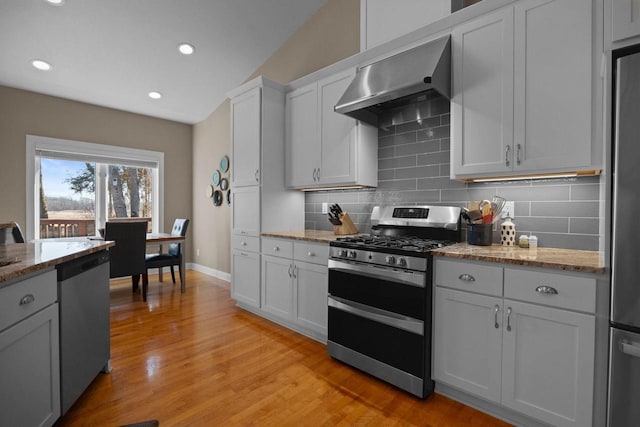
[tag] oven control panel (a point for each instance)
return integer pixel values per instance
(380, 258)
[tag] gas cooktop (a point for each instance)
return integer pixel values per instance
(383, 243)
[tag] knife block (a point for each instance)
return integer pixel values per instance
(347, 226)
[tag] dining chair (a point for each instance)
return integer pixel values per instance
(173, 256)
(128, 255)
(11, 233)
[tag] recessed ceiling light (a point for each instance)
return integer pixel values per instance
(186, 48)
(155, 95)
(41, 65)
(55, 2)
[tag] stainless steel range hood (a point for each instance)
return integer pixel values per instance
(402, 76)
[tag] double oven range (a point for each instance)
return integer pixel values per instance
(379, 303)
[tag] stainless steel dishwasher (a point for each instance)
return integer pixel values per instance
(83, 297)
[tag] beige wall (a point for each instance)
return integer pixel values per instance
(332, 34)
(23, 112)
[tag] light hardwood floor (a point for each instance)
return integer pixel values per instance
(195, 359)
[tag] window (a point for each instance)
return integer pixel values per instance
(74, 187)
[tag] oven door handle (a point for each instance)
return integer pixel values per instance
(405, 277)
(377, 315)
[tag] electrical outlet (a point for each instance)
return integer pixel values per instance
(325, 207)
(508, 210)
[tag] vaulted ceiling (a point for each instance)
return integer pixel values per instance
(114, 52)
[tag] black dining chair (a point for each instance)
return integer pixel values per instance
(128, 255)
(11, 233)
(173, 256)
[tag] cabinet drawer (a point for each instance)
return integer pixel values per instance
(483, 279)
(315, 253)
(557, 290)
(245, 243)
(24, 298)
(277, 247)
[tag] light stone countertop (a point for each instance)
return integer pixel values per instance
(27, 258)
(317, 236)
(554, 258)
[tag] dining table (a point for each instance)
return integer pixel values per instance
(167, 238)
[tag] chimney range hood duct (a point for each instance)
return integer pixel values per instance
(406, 75)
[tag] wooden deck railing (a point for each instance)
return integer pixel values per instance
(50, 228)
(67, 228)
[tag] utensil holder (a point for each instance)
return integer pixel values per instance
(347, 226)
(479, 234)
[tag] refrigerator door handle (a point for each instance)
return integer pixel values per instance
(630, 348)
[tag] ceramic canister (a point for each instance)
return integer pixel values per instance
(508, 233)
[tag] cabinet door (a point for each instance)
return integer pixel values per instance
(552, 80)
(625, 19)
(302, 140)
(310, 294)
(30, 371)
(468, 342)
(245, 138)
(548, 357)
(482, 104)
(277, 286)
(245, 277)
(245, 211)
(337, 132)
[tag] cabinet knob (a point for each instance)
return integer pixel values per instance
(310, 254)
(243, 243)
(27, 299)
(546, 289)
(276, 249)
(467, 278)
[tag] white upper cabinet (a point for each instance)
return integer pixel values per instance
(384, 20)
(303, 141)
(325, 148)
(552, 103)
(482, 104)
(624, 22)
(245, 137)
(523, 91)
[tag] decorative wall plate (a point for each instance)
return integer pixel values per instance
(217, 198)
(224, 164)
(224, 184)
(210, 190)
(215, 178)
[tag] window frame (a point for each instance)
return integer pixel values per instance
(99, 153)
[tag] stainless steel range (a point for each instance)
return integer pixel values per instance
(380, 293)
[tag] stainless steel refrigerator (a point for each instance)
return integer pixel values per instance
(624, 332)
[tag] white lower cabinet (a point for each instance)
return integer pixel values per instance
(294, 285)
(29, 352)
(534, 358)
(245, 270)
(467, 345)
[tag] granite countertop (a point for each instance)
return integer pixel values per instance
(26, 258)
(561, 259)
(318, 236)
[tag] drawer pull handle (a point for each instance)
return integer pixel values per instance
(276, 249)
(509, 319)
(546, 289)
(27, 299)
(496, 310)
(290, 270)
(630, 348)
(467, 278)
(310, 254)
(295, 271)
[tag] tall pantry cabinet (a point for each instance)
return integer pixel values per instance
(259, 201)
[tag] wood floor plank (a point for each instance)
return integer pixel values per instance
(195, 359)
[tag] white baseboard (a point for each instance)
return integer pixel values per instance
(209, 271)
